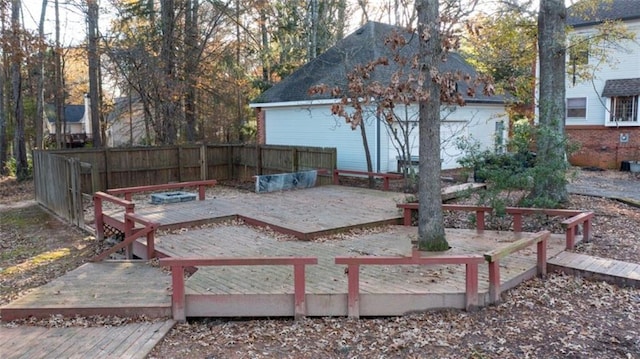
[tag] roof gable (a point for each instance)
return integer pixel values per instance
(605, 10)
(359, 48)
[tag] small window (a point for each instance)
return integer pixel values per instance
(624, 109)
(578, 56)
(577, 107)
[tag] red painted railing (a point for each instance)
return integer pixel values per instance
(101, 218)
(353, 272)
(493, 257)
(129, 191)
(575, 218)
(178, 265)
(385, 176)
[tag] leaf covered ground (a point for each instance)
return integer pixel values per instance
(556, 317)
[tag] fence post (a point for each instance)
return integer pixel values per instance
(294, 160)
(203, 162)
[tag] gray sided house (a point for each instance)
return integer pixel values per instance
(288, 115)
(76, 124)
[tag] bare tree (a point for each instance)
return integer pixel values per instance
(94, 71)
(20, 148)
(550, 134)
(40, 116)
(431, 234)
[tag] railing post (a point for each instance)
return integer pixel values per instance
(336, 179)
(471, 297)
(480, 220)
(299, 291)
(201, 192)
(586, 230)
(570, 239)
(542, 256)
(517, 222)
(151, 246)
(178, 294)
(407, 216)
(128, 231)
(353, 294)
(494, 281)
(97, 212)
(385, 183)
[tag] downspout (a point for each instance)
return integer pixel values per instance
(378, 142)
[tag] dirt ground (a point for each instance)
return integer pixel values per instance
(558, 316)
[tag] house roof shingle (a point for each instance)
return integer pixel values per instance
(621, 87)
(605, 10)
(72, 113)
(362, 46)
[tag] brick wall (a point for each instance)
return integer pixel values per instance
(601, 146)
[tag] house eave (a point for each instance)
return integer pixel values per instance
(294, 103)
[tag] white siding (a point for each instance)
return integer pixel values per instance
(624, 64)
(315, 126)
(475, 121)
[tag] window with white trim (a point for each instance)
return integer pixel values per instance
(624, 109)
(577, 107)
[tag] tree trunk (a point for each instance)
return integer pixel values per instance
(3, 116)
(191, 64)
(94, 71)
(169, 103)
(367, 153)
(551, 164)
(57, 81)
(431, 235)
(20, 148)
(40, 115)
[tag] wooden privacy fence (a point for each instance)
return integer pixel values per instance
(144, 166)
(62, 177)
(58, 185)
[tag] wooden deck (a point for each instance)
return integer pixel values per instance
(121, 288)
(128, 341)
(609, 270)
(127, 288)
(385, 290)
(304, 213)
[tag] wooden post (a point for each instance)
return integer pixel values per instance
(151, 246)
(180, 163)
(471, 297)
(97, 212)
(353, 294)
(542, 256)
(494, 281)
(294, 160)
(178, 294)
(107, 167)
(570, 239)
(480, 220)
(336, 177)
(517, 222)
(407, 216)
(203, 162)
(586, 231)
(300, 310)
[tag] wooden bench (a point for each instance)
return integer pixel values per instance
(493, 257)
(480, 211)
(385, 176)
(129, 191)
(571, 224)
(178, 265)
(353, 274)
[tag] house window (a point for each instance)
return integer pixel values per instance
(624, 109)
(577, 107)
(578, 58)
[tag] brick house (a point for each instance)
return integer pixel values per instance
(602, 113)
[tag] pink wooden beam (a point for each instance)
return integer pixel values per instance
(494, 282)
(178, 297)
(471, 295)
(353, 290)
(129, 191)
(299, 291)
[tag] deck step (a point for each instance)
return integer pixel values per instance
(609, 270)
